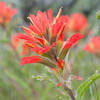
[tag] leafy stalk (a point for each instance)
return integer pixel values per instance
(81, 90)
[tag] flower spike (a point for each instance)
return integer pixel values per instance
(45, 37)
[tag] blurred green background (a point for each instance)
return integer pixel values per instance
(17, 82)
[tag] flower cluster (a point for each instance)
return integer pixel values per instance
(6, 13)
(93, 46)
(45, 37)
(77, 23)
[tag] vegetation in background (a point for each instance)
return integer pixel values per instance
(34, 81)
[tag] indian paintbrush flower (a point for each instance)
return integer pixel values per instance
(6, 13)
(77, 23)
(93, 46)
(45, 37)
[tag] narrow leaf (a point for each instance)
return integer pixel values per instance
(81, 90)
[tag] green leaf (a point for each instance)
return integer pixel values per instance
(96, 93)
(81, 90)
(22, 84)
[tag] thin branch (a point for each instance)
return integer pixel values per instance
(70, 92)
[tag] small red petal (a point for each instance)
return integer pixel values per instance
(46, 49)
(50, 15)
(24, 49)
(77, 77)
(25, 37)
(28, 30)
(31, 59)
(74, 38)
(54, 70)
(59, 84)
(68, 68)
(53, 45)
(60, 64)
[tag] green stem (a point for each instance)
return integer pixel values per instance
(70, 92)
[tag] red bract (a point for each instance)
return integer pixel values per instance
(60, 64)
(32, 59)
(93, 46)
(67, 74)
(45, 37)
(6, 13)
(77, 23)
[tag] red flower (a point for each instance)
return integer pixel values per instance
(45, 37)
(6, 13)
(77, 23)
(93, 46)
(15, 41)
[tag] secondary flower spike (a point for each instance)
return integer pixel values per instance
(6, 13)
(45, 37)
(93, 46)
(77, 23)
